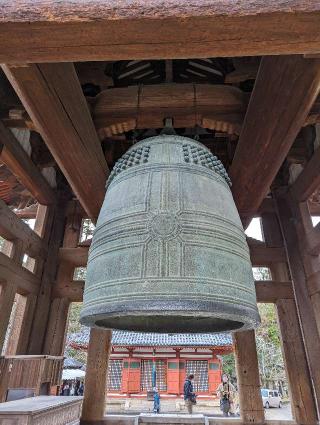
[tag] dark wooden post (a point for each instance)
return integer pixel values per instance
(251, 407)
(302, 401)
(57, 326)
(59, 307)
(26, 325)
(289, 218)
(49, 225)
(93, 407)
(8, 289)
(7, 294)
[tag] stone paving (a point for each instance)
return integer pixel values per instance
(208, 407)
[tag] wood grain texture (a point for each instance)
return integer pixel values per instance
(286, 212)
(25, 281)
(272, 122)
(251, 408)
(296, 364)
(52, 95)
(56, 329)
(50, 223)
(7, 294)
(19, 163)
(99, 348)
(309, 180)
(188, 104)
(13, 228)
(116, 30)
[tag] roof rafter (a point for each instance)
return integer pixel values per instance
(52, 95)
(19, 163)
(272, 122)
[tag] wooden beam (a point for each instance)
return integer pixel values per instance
(27, 212)
(19, 163)
(272, 122)
(112, 30)
(25, 281)
(308, 180)
(260, 255)
(218, 107)
(272, 291)
(13, 228)
(75, 256)
(267, 291)
(312, 240)
(52, 95)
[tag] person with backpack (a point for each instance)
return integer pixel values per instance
(226, 393)
(189, 395)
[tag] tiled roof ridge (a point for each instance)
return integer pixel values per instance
(127, 338)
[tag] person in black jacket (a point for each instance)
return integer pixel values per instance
(189, 395)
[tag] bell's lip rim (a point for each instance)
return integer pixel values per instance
(249, 317)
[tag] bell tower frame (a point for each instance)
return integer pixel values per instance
(39, 45)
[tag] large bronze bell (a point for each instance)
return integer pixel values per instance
(169, 253)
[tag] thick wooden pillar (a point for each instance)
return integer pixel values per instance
(311, 262)
(93, 407)
(251, 407)
(7, 294)
(303, 405)
(289, 218)
(56, 329)
(51, 228)
(14, 250)
(26, 325)
(302, 401)
(16, 325)
(59, 308)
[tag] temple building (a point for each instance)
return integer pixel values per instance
(133, 355)
(171, 125)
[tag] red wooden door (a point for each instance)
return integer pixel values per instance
(214, 375)
(173, 373)
(131, 376)
(182, 375)
(134, 376)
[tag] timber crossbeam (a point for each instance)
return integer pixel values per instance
(260, 255)
(99, 31)
(267, 291)
(11, 272)
(12, 228)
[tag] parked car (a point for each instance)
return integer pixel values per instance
(270, 398)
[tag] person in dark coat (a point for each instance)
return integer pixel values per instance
(81, 389)
(189, 395)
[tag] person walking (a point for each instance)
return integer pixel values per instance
(226, 392)
(156, 401)
(189, 395)
(81, 389)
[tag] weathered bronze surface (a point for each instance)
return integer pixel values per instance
(169, 253)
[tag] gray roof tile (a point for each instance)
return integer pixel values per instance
(124, 338)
